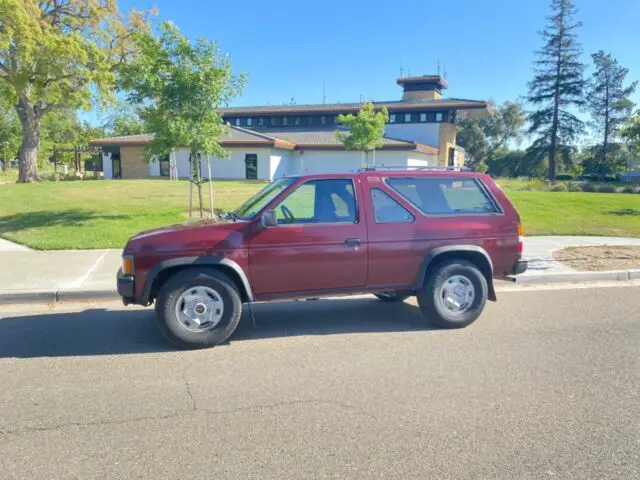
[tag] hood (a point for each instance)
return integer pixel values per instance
(198, 237)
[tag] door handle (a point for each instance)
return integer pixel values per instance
(352, 242)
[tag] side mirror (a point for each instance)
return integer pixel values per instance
(269, 218)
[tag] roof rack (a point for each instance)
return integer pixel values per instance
(422, 168)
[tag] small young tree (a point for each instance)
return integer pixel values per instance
(558, 84)
(178, 86)
(59, 54)
(485, 137)
(609, 103)
(365, 130)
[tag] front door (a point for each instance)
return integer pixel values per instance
(251, 166)
(319, 243)
(116, 170)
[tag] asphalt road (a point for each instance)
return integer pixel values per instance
(545, 385)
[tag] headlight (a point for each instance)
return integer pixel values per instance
(127, 264)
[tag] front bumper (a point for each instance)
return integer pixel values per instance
(126, 286)
(520, 267)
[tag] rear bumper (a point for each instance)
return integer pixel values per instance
(520, 267)
(126, 286)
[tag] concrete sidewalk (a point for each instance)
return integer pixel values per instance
(28, 275)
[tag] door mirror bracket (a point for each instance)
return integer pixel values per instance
(269, 218)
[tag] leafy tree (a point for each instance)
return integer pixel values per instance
(631, 133)
(123, 119)
(486, 137)
(557, 84)
(366, 130)
(59, 54)
(10, 132)
(618, 156)
(608, 101)
(178, 86)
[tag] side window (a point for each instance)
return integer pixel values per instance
(444, 196)
(319, 201)
(387, 210)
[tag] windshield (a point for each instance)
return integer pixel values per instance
(252, 207)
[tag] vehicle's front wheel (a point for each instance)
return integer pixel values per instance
(454, 294)
(198, 308)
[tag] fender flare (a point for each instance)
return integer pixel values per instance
(195, 262)
(436, 252)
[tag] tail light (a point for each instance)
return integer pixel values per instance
(520, 239)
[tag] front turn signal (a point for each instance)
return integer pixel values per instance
(127, 264)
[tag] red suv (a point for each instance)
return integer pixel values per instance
(440, 234)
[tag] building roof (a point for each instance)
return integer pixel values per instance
(287, 139)
(440, 104)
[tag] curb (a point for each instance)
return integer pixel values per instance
(8, 297)
(575, 277)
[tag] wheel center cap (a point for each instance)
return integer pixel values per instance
(200, 308)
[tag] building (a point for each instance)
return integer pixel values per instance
(267, 142)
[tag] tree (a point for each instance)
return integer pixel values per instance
(631, 133)
(60, 54)
(365, 130)
(485, 137)
(178, 85)
(557, 84)
(608, 101)
(10, 132)
(123, 119)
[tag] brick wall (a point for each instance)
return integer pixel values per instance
(134, 162)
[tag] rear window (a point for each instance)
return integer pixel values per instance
(444, 196)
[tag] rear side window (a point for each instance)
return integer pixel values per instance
(387, 210)
(444, 196)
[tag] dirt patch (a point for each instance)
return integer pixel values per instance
(598, 259)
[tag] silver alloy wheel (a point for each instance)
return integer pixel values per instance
(199, 309)
(458, 294)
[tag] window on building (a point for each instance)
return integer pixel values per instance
(275, 121)
(438, 116)
(323, 120)
(444, 196)
(249, 121)
(319, 201)
(392, 118)
(164, 166)
(238, 122)
(407, 117)
(260, 121)
(388, 210)
(423, 117)
(296, 121)
(285, 121)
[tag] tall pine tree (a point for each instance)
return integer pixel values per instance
(558, 83)
(608, 101)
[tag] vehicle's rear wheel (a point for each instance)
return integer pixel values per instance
(392, 297)
(454, 294)
(198, 308)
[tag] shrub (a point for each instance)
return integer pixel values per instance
(559, 187)
(607, 189)
(628, 189)
(575, 187)
(589, 187)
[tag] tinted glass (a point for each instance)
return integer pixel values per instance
(319, 201)
(443, 196)
(387, 210)
(252, 207)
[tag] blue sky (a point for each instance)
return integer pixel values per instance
(290, 48)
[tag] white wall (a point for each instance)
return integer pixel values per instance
(279, 163)
(232, 167)
(327, 161)
(425, 133)
(107, 167)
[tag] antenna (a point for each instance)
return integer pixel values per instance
(401, 69)
(438, 66)
(324, 95)
(361, 98)
(444, 72)
(408, 72)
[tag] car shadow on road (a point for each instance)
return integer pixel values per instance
(99, 331)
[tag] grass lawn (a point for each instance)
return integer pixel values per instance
(104, 214)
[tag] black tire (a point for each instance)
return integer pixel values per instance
(430, 298)
(392, 297)
(169, 323)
